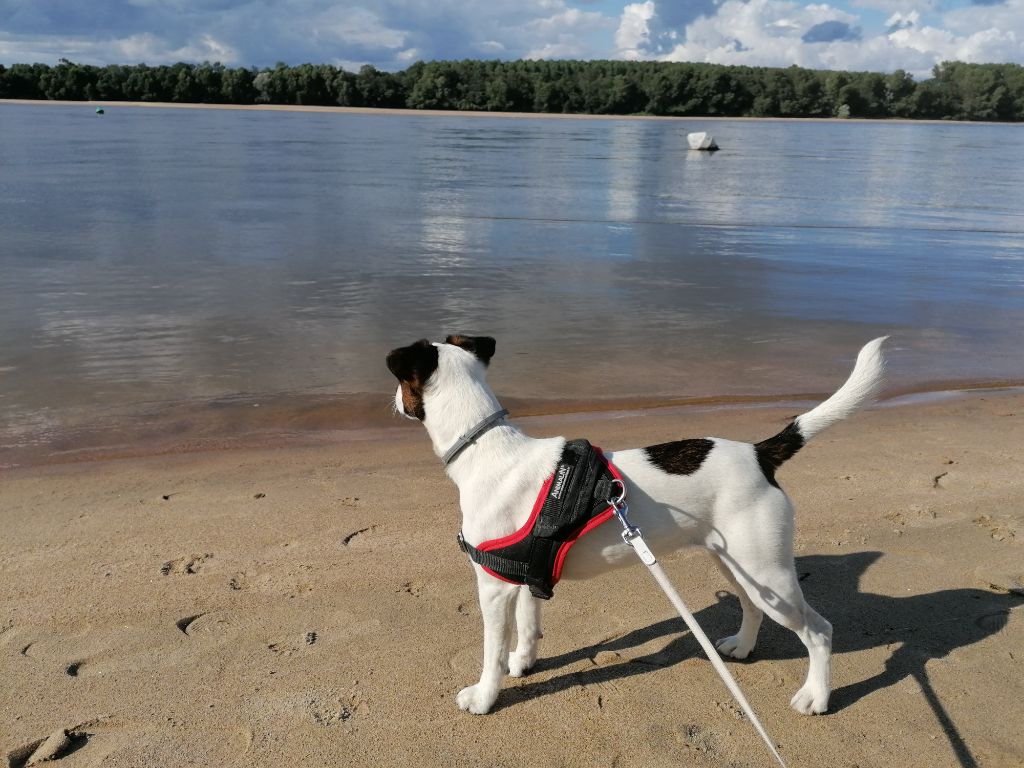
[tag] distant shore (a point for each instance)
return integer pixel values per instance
(468, 113)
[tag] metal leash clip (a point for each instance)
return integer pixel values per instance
(630, 533)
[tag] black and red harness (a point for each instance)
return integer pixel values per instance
(571, 503)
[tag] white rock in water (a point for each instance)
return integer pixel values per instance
(702, 140)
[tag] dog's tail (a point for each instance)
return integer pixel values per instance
(859, 390)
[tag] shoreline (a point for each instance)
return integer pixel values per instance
(477, 114)
(307, 424)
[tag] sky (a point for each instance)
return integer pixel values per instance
(875, 35)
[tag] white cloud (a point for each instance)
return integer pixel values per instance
(260, 33)
(568, 20)
(757, 32)
(898, 6)
(769, 33)
(349, 65)
(564, 33)
(355, 26)
(391, 34)
(490, 47)
(634, 32)
(992, 33)
(986, 45)
(134, 49)
(150, 48)
(901, 20)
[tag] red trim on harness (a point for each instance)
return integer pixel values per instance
(502, 578)
(522, 533)
(563, 550)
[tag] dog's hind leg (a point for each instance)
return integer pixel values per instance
(497, 604)
(815, 633)
(740, 645)
(775, 590)
(528, 633)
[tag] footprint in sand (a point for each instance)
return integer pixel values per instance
(999, 530)
(238, 582)
(56, 746)
(348, 540)
(330, 714)
(126, 741)
(413, 588)
(185, 566)
(106, 648)
(325, 708)
(185, 623)
(288, 648)
(217, 625)
(698, 739)
(275, 582)
(605, 658)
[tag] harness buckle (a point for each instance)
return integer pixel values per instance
(622, 493)
(630, 533)
(621, 510)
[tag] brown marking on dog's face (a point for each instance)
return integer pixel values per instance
(413, 366)
(481, 346)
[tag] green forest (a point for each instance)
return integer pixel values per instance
(956, 91)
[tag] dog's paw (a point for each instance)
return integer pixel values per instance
(520, 663)
(808, 702)
(476, 699)
(733, 648)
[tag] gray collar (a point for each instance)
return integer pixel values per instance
(470, 437)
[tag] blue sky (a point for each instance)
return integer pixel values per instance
(879, 35)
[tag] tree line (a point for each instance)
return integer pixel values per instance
(956, 90)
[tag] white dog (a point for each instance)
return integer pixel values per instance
(712, 492)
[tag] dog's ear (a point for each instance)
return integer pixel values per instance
(415, 363)
(481, 346)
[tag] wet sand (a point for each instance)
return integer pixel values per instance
(302, 419)
(307, 604)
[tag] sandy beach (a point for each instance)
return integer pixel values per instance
(307, 605)
(468, 113)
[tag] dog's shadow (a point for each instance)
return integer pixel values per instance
(861, 620)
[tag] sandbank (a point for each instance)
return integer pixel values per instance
(381, 111)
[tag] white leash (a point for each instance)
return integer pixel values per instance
(632, 536)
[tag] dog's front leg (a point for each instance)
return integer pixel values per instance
(528, 633)
(497, 603)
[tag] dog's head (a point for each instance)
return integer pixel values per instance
(423, 367)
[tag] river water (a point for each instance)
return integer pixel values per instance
(169, 272)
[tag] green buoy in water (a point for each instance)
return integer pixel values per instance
(99, 110)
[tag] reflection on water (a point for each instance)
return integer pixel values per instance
(155, 260)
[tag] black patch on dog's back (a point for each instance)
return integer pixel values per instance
(773, 452)
(681, 457)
